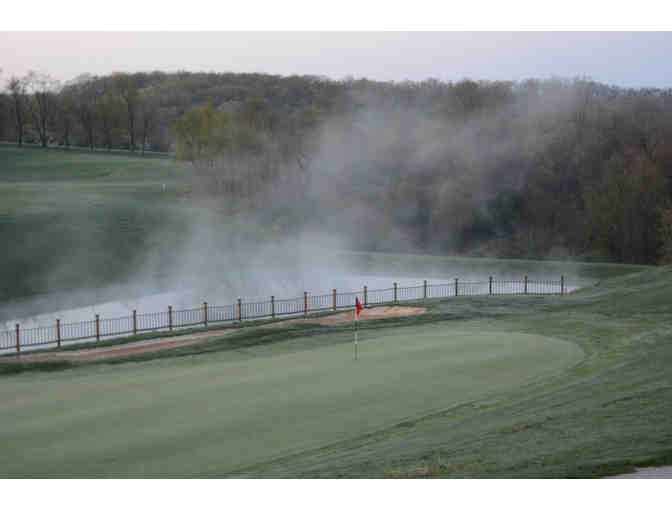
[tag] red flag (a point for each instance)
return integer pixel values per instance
(359, 305)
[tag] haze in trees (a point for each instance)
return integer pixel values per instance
(539, 168)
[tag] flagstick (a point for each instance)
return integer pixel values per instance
(355, 313)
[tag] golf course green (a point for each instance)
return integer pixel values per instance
(218, 414)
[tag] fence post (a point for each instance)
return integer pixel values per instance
(170, 317)
(97, 327)
(395, 292)
(240, 310)
(562, 285)
(490, 286)
(525, 289)
(334, 300)
(205, 313)
(58, 332)
(272, 307)
(366, 300)
(305, 303)
(18, 342)
(456, 286)
(424, 290)
(135, 323)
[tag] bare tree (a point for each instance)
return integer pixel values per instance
(149, 108)
(86, 100)
(110, 113)
(65, 115)
(17, 91)
(128, 90)
(43, 89)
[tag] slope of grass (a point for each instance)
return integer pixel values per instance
(39, 165)
(75, 220)
(605, 415)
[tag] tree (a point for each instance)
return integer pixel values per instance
(468, 93)
(65, 116)
(203, 136)
(43, 89)
(665, 231)
(86, 93)
(623, 210)
(17, 91)
(127, 87)
(5, 115)
(149, 110)
(110, 113)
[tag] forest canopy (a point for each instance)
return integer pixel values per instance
(560, 168)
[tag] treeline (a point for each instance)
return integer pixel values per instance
(539, 168)
(136, 111)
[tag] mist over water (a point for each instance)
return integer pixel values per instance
(203, 252)
(193, 299)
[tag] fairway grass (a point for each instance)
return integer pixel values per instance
(211, 416)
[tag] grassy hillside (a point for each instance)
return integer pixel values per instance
(72, 220)
(35, 164)
(604, 415)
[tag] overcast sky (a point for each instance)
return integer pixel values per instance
(630, 59)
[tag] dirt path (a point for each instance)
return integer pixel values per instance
(172, 342)
(154, 344)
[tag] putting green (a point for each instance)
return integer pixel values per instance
(213, 414)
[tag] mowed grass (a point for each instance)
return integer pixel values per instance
(216, 415)
(39, 165)
(71, 220)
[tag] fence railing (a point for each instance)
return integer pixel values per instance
(98, 328)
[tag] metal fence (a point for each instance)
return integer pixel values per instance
(207, 314)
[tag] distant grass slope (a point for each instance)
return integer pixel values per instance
(33, 164)
(71, 219)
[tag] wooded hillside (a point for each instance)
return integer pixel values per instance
(540, 168)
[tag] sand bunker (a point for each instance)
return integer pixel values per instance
(380, 312)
